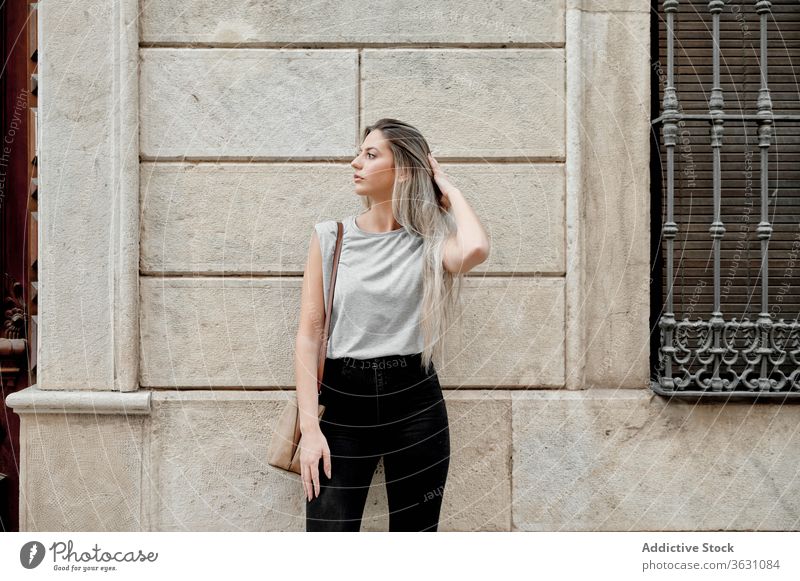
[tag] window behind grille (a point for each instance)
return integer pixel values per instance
(740, 187)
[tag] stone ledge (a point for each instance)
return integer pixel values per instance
(594, 393)
(597, 6)
(33, 400)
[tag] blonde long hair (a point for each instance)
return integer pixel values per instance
(416, 206)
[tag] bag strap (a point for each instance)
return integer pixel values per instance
(323, 352)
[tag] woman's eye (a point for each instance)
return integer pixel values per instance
(370, 155)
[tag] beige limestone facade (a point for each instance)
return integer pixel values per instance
(187, 149)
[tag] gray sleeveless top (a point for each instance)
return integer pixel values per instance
(378, 294)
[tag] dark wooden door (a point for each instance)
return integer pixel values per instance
(18, 237)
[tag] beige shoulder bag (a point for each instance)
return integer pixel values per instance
(284, 450)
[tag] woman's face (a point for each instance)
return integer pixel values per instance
(374, 166)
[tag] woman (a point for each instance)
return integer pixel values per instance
(394, 298)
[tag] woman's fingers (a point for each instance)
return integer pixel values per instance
(434, 163)
(303, 479)
(310, 473)
(315, 477)
(326, 461)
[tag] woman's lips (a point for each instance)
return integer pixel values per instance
(357, 177)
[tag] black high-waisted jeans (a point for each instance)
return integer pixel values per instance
(390, 407)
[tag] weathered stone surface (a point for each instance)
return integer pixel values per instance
(472, 103)
(511, 334)
(609, 5)
(87, 163)
(406, 21)
(209, 464)
(291, 104)
(608, 193)
(258, 218)
(238, 218)
(611, 460)
(211, 332)
(82, 472)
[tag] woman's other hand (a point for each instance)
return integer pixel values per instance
(313, 446)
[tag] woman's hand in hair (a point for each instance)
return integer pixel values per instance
(441, 179)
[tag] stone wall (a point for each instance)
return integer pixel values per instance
(188, 149)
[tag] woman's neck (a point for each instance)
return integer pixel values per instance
(378, 219)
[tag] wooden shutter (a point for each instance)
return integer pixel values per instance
(740, 82)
